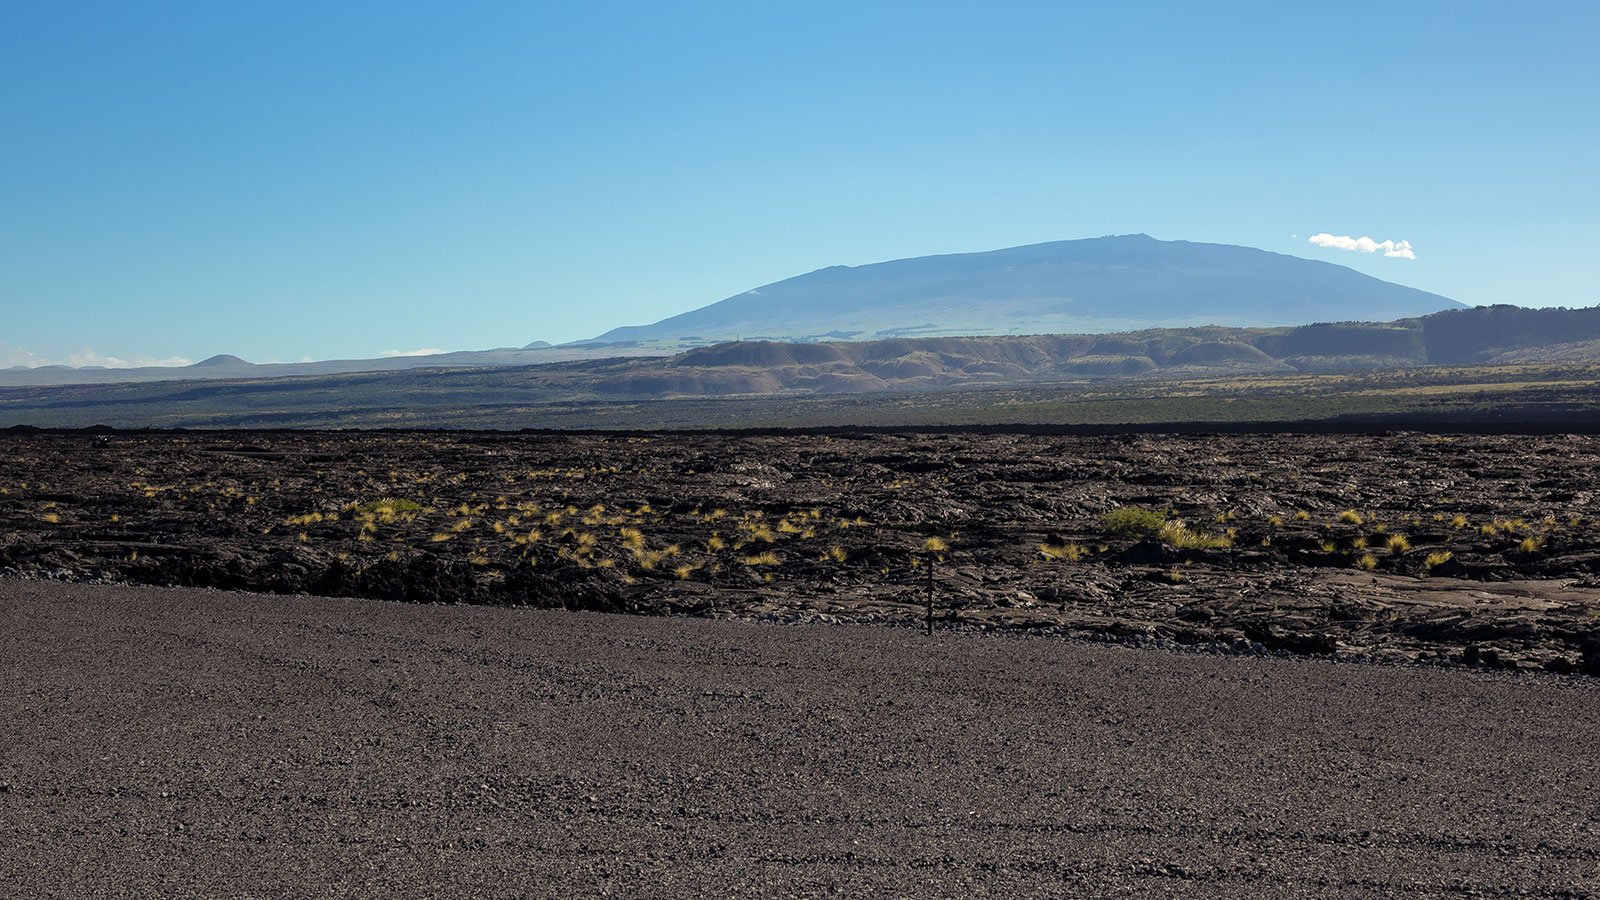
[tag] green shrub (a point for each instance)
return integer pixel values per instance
(1131, 521)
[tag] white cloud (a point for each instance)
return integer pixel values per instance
(425, 351)
(87, 357)
(1364, 244)
(18, 356)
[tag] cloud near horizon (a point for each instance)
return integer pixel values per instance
(87, 357)
(19, 356)
(425, 351)
(1364, 244)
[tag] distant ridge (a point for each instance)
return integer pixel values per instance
(225, 365)
(1094, 286)
(1410, 366)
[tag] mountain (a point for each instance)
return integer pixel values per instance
(1096, 286)
(221, 360)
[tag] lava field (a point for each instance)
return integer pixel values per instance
(1467, 549)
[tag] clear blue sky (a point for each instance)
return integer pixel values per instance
(336, 179)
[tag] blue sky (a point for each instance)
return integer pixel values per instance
(287, 180)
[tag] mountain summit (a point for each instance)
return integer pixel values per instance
(1099, 285)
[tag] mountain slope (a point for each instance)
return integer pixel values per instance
(1119, 283)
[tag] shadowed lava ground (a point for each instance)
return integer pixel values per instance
(1469, 549)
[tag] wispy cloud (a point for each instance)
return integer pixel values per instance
(425, 351)
(1364, 244)
(88, 357)
(19, 356)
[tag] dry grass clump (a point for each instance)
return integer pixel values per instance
(1068, 552)
(758, 531)
(649, 559)
(385, 510)
(1351, 517)
(632, 539)
(1366, 561)
(1177, 534)
(1397, 543)
(1438, 558)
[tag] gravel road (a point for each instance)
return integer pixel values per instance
(185, 743)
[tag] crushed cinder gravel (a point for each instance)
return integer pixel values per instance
(188, 743)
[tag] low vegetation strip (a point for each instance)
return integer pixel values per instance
(1503, 397)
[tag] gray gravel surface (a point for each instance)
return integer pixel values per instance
(182, 743)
